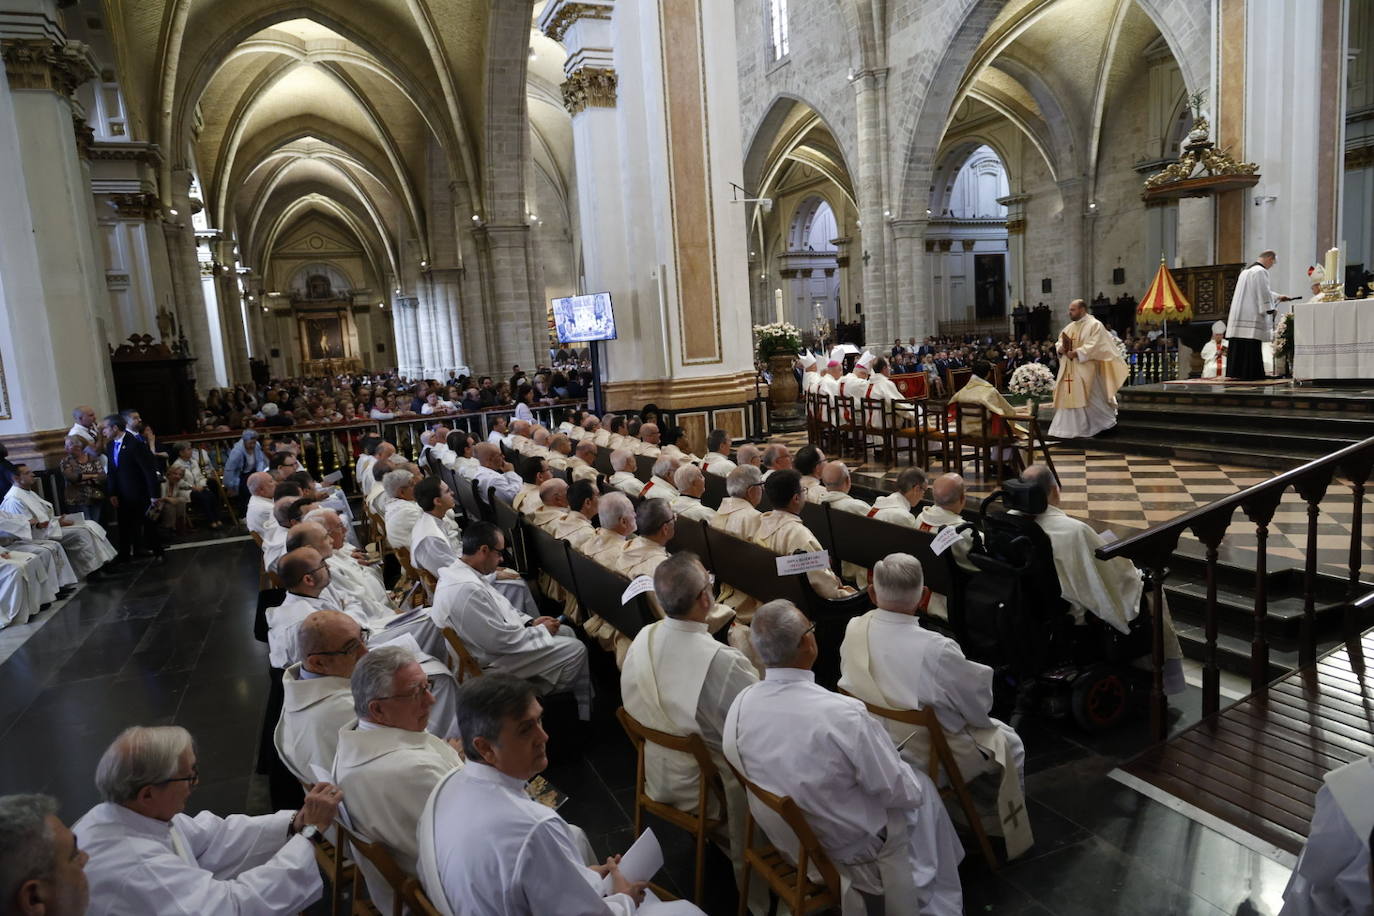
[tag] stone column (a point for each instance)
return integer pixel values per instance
(447, 292)
(870, 88)
(232, 308)
(1077, 251)
(425, 328)
(54, 314)
(682, 306)
(913, 307)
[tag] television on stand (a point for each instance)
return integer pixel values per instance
(586, 319)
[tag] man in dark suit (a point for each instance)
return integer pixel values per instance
(132, 486)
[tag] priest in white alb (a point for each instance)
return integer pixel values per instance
(318, 699)
(678, 679)
(1332, 876)
(890, 660)
(1250, 322)
(880, 821)
(1090, 373)
(487, 849)
(538, 649)
(82, 539)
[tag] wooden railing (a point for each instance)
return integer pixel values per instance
(1150, 551)
(1152, 367)
(324, 449)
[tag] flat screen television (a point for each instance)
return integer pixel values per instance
(580, 319)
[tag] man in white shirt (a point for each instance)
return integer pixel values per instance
(355, 572)
(623, 477)
(146, 856)
(717, 458)
(882, 823)
(691, 484)
(896, 507)
(538, 649)
(487, 849)
(1109, 589)
(259, 518)
(678, 679)
(495, 471)
(498, 435)
(44, 869)
(749, 454)
(82, 539)
(948, 499)
(318, 701)
(386, 762)
(1332, 877)
(658, 486)
(888, 659)
(649, 435)
(401, 510)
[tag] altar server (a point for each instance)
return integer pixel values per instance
(888, 659)
(1332, 877)
(82, 539)
(146, 856)
(1090, 373)
(386, 762)
(487, 849)
(1249, 324)
(536, 649)
(678, 679)
(881, 822)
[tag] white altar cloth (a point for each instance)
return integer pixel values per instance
(1333, 340)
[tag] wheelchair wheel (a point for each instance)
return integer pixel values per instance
(1101, 698)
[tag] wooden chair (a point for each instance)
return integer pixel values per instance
(936, 431)
(225, 502)
(875, 426)
(790, 882)
(941, 757)
(264, 577)
(1035, 438)
(599, 591)
(848, 425)
(508, 520)
(460, 660)
(905, 420)
(410, 578)
(467, 497)
(956, 379)
(696, 822)
(382, 861)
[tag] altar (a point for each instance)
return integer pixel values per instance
(1333, 340)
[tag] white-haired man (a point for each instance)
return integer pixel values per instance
(1109, 589)
(649, 436)
(679, 680)
(352, 571)
(776, 457)
(658, 486)
(538, 649)
(749, 454)
(618, 526)
(717, 459)
(888, 659)
(258, 517)
(581, 466)
(147, 856)
(691, 484)
(623, 472)
(387, 763)
(83, 540)
(402, 512)
(880, 821)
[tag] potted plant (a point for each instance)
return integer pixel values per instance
(777, 344)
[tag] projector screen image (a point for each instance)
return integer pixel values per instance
(579, 319)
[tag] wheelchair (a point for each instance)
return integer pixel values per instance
(1016, 620)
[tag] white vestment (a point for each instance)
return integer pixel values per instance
(21, 594)
(56, 571)
(1085, 390)
(718, 464)
(487, 849)
(313, 710)
(284, 623)
(273, 547)
(626, 482)
(893, 509)
(386, 775)
(359, 585)
(890, 660)
(431, 544)
(258, 516)
(690, 507)
(1332, 875)
(1214, 359)
(792, 737)
(401, 515)
(657, 488)
(1251, 304)
(362, 471)
(195, 866)
(496, 634)
(507, 484)
(85, 541)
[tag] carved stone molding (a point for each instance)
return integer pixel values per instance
(590, 87)
(569, 13)
(147, 153)
(946, 244)
(1360, 157)
(967, 243)
(41, 63)
(137, 206)
(1016, 226)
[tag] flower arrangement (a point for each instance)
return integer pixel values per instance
(1033, 380)
(1121, 350)
(776, 338)
(1283, 338)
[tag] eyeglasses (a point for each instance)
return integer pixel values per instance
(350, 647)
(808, 630)
(415, 694)
(192, 781)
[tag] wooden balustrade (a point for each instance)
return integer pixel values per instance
(1150, 551)
(1152, 367)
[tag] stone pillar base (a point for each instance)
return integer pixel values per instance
(698, 405)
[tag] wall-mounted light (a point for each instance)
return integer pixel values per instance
(1092, 205)
(424, 264)
(476, 218)
(172, 212)
(927, 211)
(887, 213)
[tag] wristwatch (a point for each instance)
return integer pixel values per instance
(311, 833)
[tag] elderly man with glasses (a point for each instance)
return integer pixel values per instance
(147, 856)
(386, 761)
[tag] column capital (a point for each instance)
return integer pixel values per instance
(560, 15)
(47, 64)
(137, 206)
(908, 228)
(589, 87)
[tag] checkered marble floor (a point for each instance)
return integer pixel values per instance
(1129, 493)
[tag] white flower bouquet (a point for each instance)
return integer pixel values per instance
(1032, 380)
(775, 338)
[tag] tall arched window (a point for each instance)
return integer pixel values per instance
(777, 28)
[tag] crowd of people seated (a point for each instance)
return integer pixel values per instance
(374, 734)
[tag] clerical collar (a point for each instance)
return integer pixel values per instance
(306, 674)
(789, 675)
(687, 626)
(480, 769)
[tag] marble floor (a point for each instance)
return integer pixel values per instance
(173, 643)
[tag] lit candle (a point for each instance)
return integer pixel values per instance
(777, 304)
(1332, 261)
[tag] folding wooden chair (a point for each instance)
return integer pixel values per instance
(696, 822)
(936, 431)
(460, 659)
(905, 420)
(790, 882)
(333, 862)
(382, 861)
(410, 578)
(941, 757)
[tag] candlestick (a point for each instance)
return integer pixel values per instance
(1332, 262)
